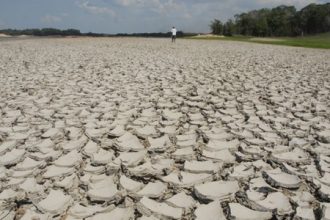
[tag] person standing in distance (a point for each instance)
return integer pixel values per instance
(173, 34)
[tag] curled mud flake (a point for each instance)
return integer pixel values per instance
(54, 171)
(80, 211)
(67, 182)
(219, 156)
(29, 164)
(12, 157)
(53, 133)
(305, 213)
(55, 203)
(237, 211)
(131, 159)
(128, 142)
(186, 179)
(214, 209)
(274, 201)
(277, 177)
(102, 157)
(146, 131)
(217, 145)
(130, 185)
(152, 190)
(74, 144)
(10, 194)
(117, 213)
(149, 207)
(103, 190)
(90, 148)
(181, 200)
(324, 136)
(160, 144)
(118, 131)
(242, 171)
(69, 160)
(7, 146)
(218, 190)
(295, 156)
(195, 166)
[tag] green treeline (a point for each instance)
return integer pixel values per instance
(280, 21)
(49, 32)
(42, 32)
(159, 34)
(74, 32)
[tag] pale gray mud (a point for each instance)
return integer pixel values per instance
(111, 128)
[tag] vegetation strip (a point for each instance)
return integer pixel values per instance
(321, 41)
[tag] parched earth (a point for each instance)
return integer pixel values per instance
(111, 128)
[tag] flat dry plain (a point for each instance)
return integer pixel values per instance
(128, 128)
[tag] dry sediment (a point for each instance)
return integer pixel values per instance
(145, 129)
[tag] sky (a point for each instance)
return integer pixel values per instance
(129, 16)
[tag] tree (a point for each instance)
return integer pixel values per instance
(279, 21)
(229, 28)
(245, 22)
(71, 32)
(216, 27)
(315, 18)
(261, 27)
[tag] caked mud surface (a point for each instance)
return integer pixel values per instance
(144, 129)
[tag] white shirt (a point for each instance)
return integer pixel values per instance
(173, 31)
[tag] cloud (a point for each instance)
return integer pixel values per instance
(139, 3)
(168, 7)
(93, 9)
(163, 7)
(298, 3)
(50, 19)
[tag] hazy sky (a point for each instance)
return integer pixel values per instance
(119, 16)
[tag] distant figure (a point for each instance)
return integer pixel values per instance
(173, 34)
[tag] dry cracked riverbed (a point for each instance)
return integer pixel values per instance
(145, 129)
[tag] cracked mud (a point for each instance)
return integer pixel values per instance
(144, 129)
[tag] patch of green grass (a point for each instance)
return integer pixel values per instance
(315, 41)
(215, 37)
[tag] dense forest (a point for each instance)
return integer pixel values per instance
(280, 21)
